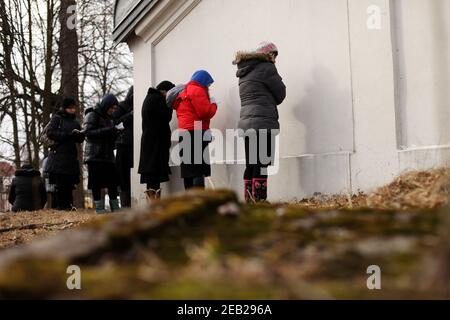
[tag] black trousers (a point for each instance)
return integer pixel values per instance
(112, 193)
(190, 183)
(195, 166)
(153, 184)
(259, 154)
(64, 197)
(124, 163)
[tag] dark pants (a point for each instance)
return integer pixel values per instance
(64, 197)
(259, 155)
(195, 166)
(101, 176)
(198, 182)
(124, 163)
(112, 193)
(153, 184)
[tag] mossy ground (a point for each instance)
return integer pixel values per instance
(264, 252)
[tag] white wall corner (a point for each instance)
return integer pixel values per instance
(164, 18)
(375, 161)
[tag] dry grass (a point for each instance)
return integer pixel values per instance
(18, 228)
(412, 190)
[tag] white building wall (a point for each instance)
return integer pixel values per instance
(422, 36)
(422, 40)
(375, 161)
(344, 118)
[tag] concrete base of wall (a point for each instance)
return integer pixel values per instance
(297, 178)
(424, 158)
(304, 176)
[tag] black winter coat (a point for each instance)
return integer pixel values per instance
(261, 90)
(156, 136)
(101, 136)
(125, 115)
(27, 192)
(63, 157)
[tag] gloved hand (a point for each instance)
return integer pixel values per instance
(77, 132)
(120, 127)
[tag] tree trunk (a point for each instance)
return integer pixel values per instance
(68, 55)
(47, 94)
(7, 43)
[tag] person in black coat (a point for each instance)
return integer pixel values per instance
(124, 158)
(156, 139)
(27, 191)
(101, 134)
(62, 165)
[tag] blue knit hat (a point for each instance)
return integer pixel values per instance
(203, 77)
(108, 101)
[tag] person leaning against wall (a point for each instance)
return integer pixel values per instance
(124, 143)
(62, 163)
(195, 110)
(261, 90)
(101, 135)
(156, 140)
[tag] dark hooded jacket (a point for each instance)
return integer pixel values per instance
(156, 136)
(261, 90)
(101, 133)
(125, 115)
(27, 192)
(63, 157)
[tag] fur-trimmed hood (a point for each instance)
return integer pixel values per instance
(243, 56)
(248, 61)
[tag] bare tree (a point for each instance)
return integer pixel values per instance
(42, 60)
(26, 104)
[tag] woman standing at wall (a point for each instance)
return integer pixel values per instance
(195, 109)
(62, 164)
(156, 140)
(101, 134)
(124, 143)
(261, 90)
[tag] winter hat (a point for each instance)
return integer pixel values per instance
(203, 77)
(68, 103)
(266, 47)
(165, 86)
(108, 101)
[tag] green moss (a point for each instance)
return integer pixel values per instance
(33, 278)
(182, 249)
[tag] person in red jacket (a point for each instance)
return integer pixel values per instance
(195, 109)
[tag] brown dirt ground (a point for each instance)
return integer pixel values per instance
(18, 228)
